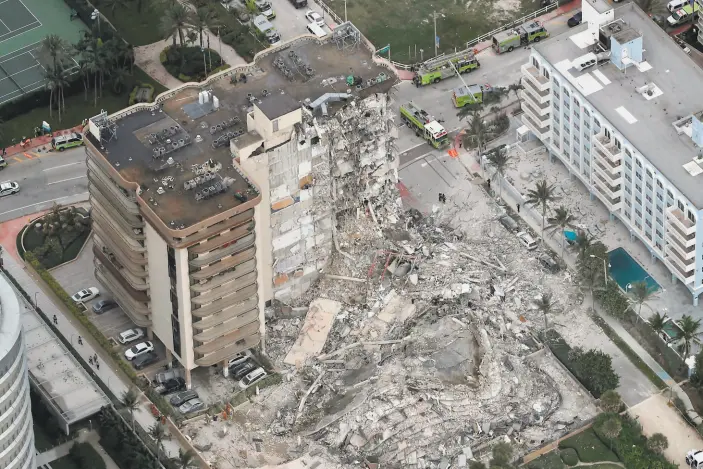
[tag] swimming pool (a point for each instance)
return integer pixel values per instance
(625, 270)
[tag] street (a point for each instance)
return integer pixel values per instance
(44, 180)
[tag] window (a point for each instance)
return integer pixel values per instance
(638, 163)
(607, 133)
(691, 217)
(680, 205)
(638, 200)
(649, 198)
(659, 196)
(566, 92)
(659, 184)
(535, 63)
(669, 194)
(648, 210)
(649, 173)
(627, 152)
(638, 188)
(275, 125)
(576, 103)
(546, 72)
(586, 113)
(628, 165)
(617, 144)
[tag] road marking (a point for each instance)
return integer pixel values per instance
(62, 166)
(26, 155)
(44, 202)
(19, 160)
(65, 180)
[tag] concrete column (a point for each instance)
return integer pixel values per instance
(150, 333)
(652, 257)
(225, 369)
(591, 196)
(551, 157)
(611, 217)
(632, 237)
(188, 382)
(673, 278)
(695, 300)
(169, 358)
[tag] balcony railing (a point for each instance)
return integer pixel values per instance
(686, 261)
(226, 327)
(222, 279)
(542, 108)
(613, 203)
(224, 353)
(542, 132)
(226, 314)
(538, 95)
(227, 289)
(535, 77)
(136, 310)
(608, 177)
(612, 190)
(225, 264)
(223, 252)
(681, 221)
(607, 147)
(680, 273)
(224, 303)
(541, 117)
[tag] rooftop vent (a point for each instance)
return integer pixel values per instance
(650, 91)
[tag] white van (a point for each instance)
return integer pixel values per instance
(674, 5)
(316, 30)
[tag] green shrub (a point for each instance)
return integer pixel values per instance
(79, 314)
(85, 456)
(189, 62)
(547, 461)
(569, 456)
(162, 55)
(613, 301)
(184, 78)
(589, 447)
(133, 96)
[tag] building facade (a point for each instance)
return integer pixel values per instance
(218, 200)
(608, 100)
(16, 431)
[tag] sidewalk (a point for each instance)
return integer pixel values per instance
(71, 329)
(41, 143)
(474, 167)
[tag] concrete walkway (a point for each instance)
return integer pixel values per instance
(71, 329)
(469, 159)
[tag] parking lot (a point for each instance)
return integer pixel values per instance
(80, 274)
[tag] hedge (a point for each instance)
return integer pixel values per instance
(629, 353)
(133, 94)
(589, 447)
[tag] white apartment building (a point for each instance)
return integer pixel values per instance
(615, 99)
(222, 197)
(16, 431)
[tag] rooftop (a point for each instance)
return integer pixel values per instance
(666, 76)
(277, 84)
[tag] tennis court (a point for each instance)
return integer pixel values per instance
(23, 24)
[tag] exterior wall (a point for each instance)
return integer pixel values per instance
(16, 432)
(594, 19)
(159, 291)
(185, 319)
(593, 150)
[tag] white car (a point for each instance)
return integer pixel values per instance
(694, 458)
(193, 405)
(9, 188)
(139, 349)
(130, 335)
(527, 240)
(315, 18)
(252, 378)
(85, 295)
(237, 359)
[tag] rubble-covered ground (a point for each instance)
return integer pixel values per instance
(431, 359)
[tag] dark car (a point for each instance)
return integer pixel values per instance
(144, 360)
(575, 20)
(243, 370)
(103, 306)
(181, 397)
(172, 385)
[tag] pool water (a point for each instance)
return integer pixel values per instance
(625, 270)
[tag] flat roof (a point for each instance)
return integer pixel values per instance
(58, 374)
(278, 83)
(646, 123)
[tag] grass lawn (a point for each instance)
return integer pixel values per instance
(77, 109)
(137, 28)
(547, 461)
(604, 465)
(589, 447)
(408, 23)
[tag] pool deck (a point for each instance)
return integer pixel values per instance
(625, 270)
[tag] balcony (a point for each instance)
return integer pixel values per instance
(222, 239)
(542, 97)
(218, 228)
(684, 261)
(134, 307)
(614, 179)
(221, 266)
(542, 119)
(680, 221)
(228, 301)
(226, 289)
(125, 219)
(533, 76)
(138, 281)
(540, 130)
(607, 147)
(229, 351)
(224, 278)
(608, 188)
(223, 252)
(613, 204)
(681, 274)
(611, 167)
(540, 108)
(231, 325)
(674, 232)
(685, 268)
(223, 341)
(97, 178)
(227, 314)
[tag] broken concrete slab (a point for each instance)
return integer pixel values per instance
(313, 335)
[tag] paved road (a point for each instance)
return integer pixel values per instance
(44, 179)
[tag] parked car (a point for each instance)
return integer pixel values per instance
(171, 373)
(103, 306)
(527, 240)
(509, 223)
(130, 335)
(191, 406)
(9, 188)
(575, 20)
(144, 360)
(171, 386)
(242, 370)
(299, 3)
(139, 349)
(182, 397)
(252, 377)
(549, 263)
(238, 359)
(315, 18)
(694, 458)
(85, 295)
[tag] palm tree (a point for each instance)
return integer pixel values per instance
(85, 76)
(561, 220)
(611, 428)
(55, 46)
(130, 399)
(52, 86)
(158, 433)
(175, 22)
(119, 78)
(477, 131)
(185, 459)
(541, 195)
(593, 280)
(500, 159)
(544, 305)
(610, 401)
(640, 293)
(201, 19)
(582, 244)
(652, 7)
(113, 5)
(516, 88)
(689, 332)
(657, 322)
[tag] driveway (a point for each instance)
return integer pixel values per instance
(656, 416)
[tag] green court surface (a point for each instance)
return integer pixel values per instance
(23, 25)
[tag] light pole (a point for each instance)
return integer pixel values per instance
(95, 16)
(345, 11)
(605, 269)
(35, 300)
(202, 49)
(436, 42)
